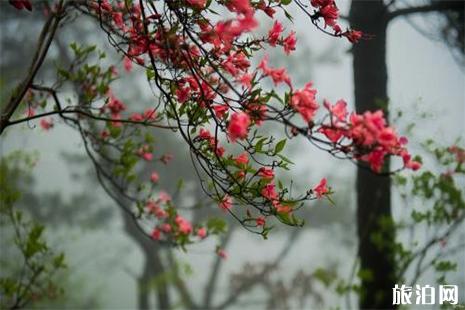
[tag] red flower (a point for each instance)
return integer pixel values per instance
(246, 80)
(21, 4)
(238, 127)
(154, 177)
(147, 156)
(136, 117)
(226, 203)
(115, 105)
(46, 123)
(156, 234)
(269, 192)
(338, 110)
(220, 110)
(266, 173)
(414, 165)
(127, 63)
(197, 3)
(242, 159)
(332, 134)
(260, 221)
(274, 33)
(277, 75)
(321, 189)
(164, 197)
(330, 14)
(150, 114)
(304, 102)
(184, 225)
(289, 43)
(353, 35)
(202, 232)
(165, 227)
(183, 94)
(240, 6)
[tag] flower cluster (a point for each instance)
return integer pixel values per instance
(208, 92)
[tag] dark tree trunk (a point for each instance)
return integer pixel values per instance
(153, 267)
(373, 191)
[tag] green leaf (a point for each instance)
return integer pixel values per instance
(280, 146)
(216, 225)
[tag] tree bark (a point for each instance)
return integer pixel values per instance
(373, 191)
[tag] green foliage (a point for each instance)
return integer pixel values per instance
(441, 207)
(29, 265)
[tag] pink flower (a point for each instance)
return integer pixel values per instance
(338, 110)
(277, 75)
(337, 29)
(304, 102)
(321, 189)
(240, 6)
(267, 9)
(280, 76)
(260, 221)
(154, 177)
(150, 114)
(184, 225)
(266, 173)
(46, 123)
(220, 110)
(183, 94)
(151, 206)
(240, 174)
(202, 232)
(147, 156)
(164, 197)
(219, 151)
(414, 165)
(274, 33)
(166, 228)
(156, 234)
(127, 64)
(246, 80)
(375, 158)
(115, 105)
(353, 35)
(289, 43)
(204, 134)
(387, 137)
(226, 203)
(242, 159)
(136, 117)
(332, 134)
(118, 19)
(238, 127)
(269, 192)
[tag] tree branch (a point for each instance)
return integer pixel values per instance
(431, 8)
(43, 46)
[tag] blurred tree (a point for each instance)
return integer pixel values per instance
(29, 265)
